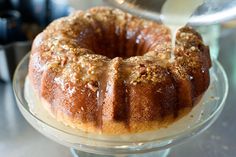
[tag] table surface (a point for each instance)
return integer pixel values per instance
(19, 139)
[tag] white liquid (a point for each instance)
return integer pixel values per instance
(175, 14)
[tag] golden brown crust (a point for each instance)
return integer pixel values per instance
(115, 127)
(103, 69)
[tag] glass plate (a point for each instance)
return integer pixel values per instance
(199, 119)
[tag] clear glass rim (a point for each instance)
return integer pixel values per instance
(166, 138)
(198, 20)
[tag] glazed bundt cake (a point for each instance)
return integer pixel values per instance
(108, 71)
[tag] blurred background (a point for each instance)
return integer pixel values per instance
(22, 20)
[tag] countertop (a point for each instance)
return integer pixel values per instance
(19, 139)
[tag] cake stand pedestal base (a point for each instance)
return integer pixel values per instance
(162, 153)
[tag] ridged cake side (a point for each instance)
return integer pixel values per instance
(106, 70)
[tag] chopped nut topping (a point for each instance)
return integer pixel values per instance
(66, 48)
(143, 71)
(93, 85)
(193, 48)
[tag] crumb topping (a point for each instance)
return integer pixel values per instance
(147, 73)
(65, 51)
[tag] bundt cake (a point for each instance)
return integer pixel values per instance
(104, 70)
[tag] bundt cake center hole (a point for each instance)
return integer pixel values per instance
(113, 42)
(115, 46)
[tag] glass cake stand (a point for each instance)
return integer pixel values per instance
(155, 143)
